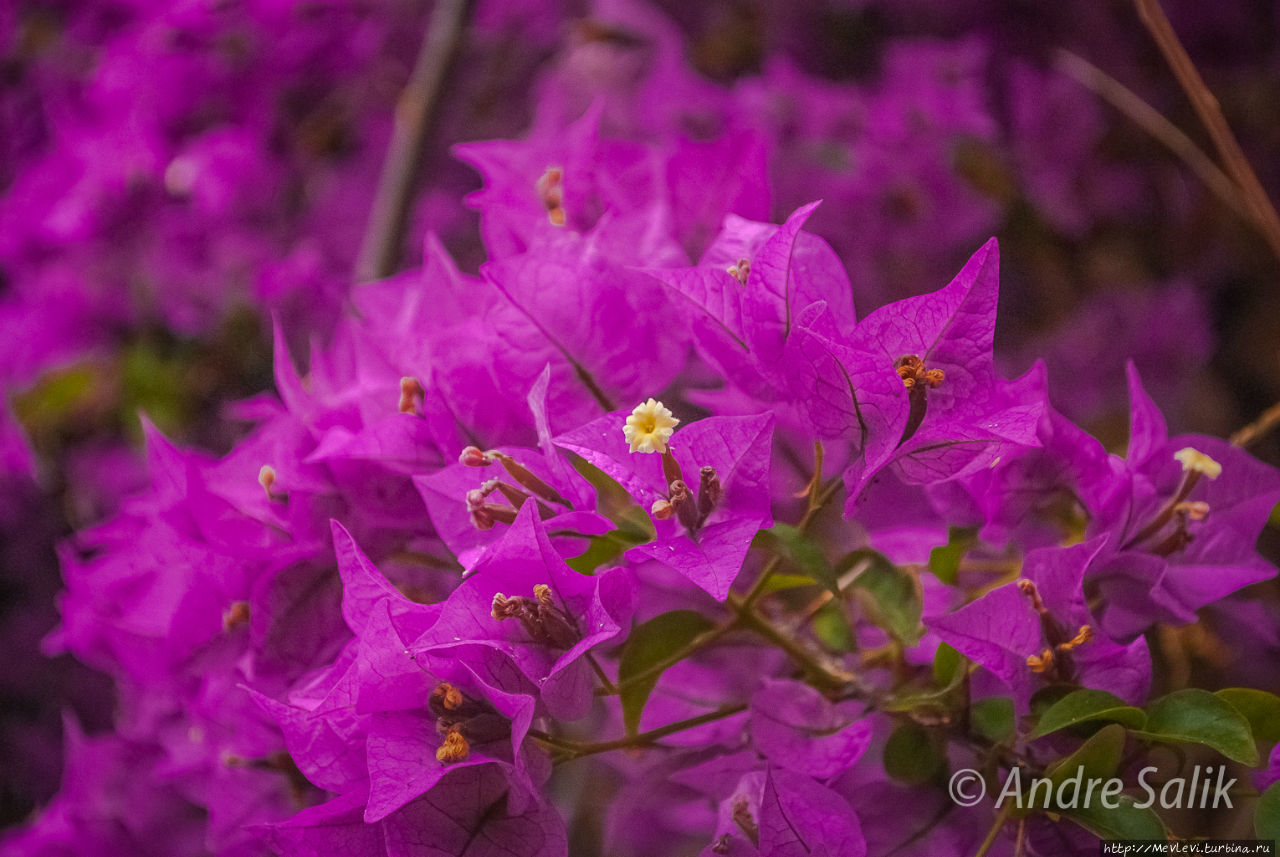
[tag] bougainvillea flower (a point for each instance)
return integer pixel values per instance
(1040, 630)
(522, 600)
(707, 545)
(954, 415)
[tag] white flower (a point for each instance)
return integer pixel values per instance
(649, 427)
(1194, 459)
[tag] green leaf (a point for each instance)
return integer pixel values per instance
(779, 582)
(615, 503)
(1097, 758)
(946, 663)
(1082, 706)
(992, 718)
(890, 596)
(603, 549)
(914, 754)
(831, 626)
(944, 561)
(1260, 708)
(799, 551)
(1266, 818)
(1125, 822)
(1198, 717)
(650, 644)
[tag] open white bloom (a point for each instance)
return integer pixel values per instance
(649, 427)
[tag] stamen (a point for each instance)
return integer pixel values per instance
(918, 379)
(740, 271)
(411, 395)
(448, 696)
(912, 371)
(1196, 510)
(237, 616)
(1195, 464)
(550, 189)
(503, 607)
(542, 592)
(1042, 662)
(540, 617)
(649, 427)
(742, 818)
(1084, 635)
(454, 748)
(267, 479)
(1028, 588)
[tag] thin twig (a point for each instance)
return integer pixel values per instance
(607, 685)
(415, 111)
(1255, 430)
(576, 750)
(701, 641)
(827, 675)
(818, 497)
(1001, 817)
(1210, 113)
(1154, 123)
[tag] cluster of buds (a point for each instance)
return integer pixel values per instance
(485, 513)
(541, 618)
(462, 722)
(1055, 659)
(680, 502)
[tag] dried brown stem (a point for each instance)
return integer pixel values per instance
(1258, 428)
(416, 110)
(1150, 120)
(1262, 212)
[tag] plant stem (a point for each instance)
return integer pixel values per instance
(1150, 120)
(577, 750)
(1258, 428)
(415, 112)
(1001, 817)
(1210, 112)
(608, 685)
(824, 674)
(706, 638)
(818, 498)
